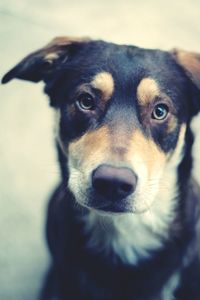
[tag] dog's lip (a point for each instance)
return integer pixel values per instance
(115, 208)
(107, 206)
(112, 208)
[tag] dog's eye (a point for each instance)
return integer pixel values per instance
(85, 102)
(160, 111)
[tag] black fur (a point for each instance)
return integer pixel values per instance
(78, 273)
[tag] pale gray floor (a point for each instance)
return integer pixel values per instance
(28, 170)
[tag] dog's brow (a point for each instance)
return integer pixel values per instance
(147, 90)
(104, 82)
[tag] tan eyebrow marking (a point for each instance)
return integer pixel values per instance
(104, 82)
(147, 90)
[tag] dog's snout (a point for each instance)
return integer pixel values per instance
(114, 182)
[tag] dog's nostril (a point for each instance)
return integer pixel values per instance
(113, 182)
(126, 187)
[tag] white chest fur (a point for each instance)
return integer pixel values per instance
(131, 236)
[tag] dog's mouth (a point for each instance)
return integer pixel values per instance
(109, 206)
(122, 206)
(112, 204)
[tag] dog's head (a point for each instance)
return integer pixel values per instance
(123, 113)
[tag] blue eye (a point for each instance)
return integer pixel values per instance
(160, 111)
(85, 102)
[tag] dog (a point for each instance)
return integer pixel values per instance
(124, 222)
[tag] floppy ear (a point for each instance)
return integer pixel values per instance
(190, 63)
(41, 63)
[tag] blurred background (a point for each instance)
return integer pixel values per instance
(28, 169)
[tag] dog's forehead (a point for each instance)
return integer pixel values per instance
(112, 56)
(121, 71)
(127, 65)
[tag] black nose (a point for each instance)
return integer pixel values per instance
(113, 182)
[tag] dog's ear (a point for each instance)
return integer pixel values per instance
(190, 63)
(39, 64)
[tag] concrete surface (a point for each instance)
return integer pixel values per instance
(28, 170)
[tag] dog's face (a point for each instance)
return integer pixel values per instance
(122, 114)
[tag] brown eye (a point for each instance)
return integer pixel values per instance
(160, 111)
(85, 102)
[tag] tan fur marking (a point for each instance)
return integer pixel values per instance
(83, 149)
(53, 49)
(147, 90)
(104, 82)
(172, 123)
(67, 40)
(190, 62)
(50, 57)
(146, 149)
(180, 141)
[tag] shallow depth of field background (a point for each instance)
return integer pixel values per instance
(28, 169)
